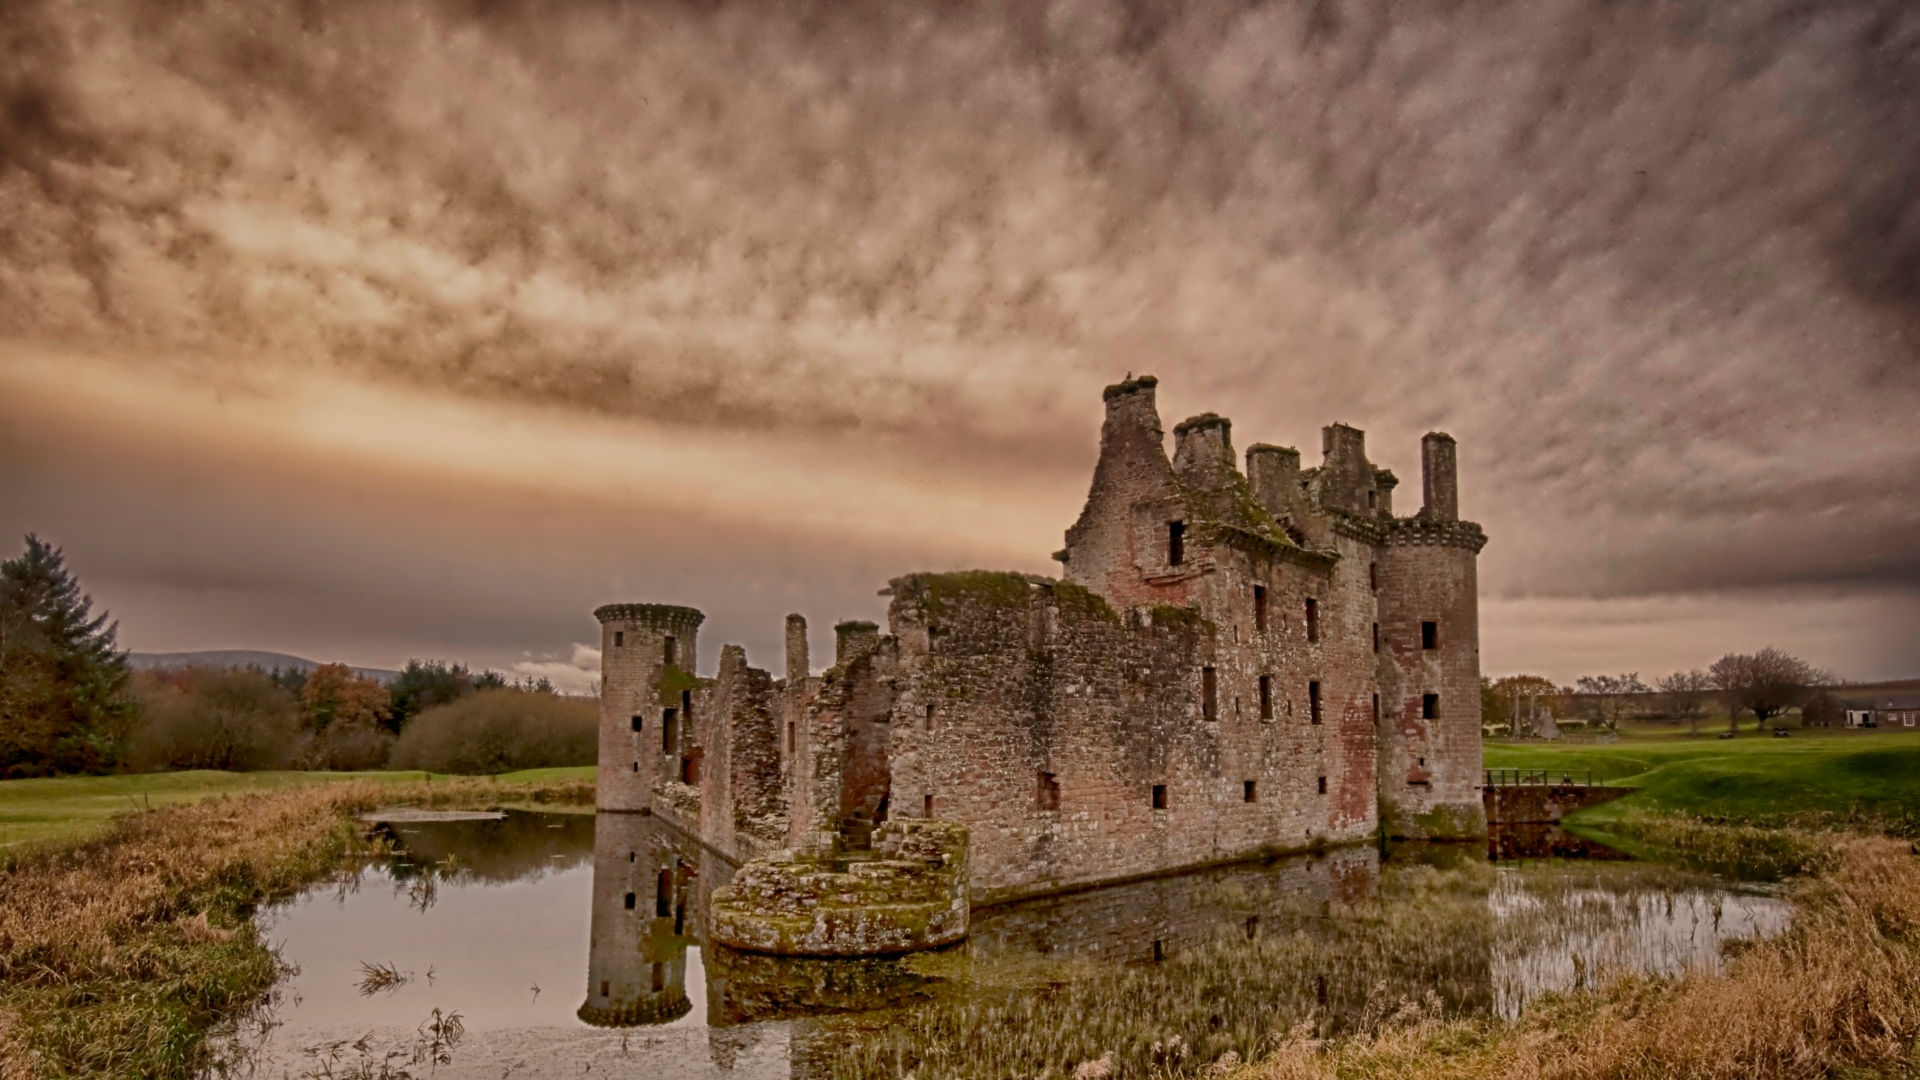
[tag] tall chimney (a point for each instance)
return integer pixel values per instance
(1439, 477)
(797, 669)
(1273, 472)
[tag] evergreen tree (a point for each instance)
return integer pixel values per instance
(64, 705)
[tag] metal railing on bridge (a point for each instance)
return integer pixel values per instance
(1539, 777)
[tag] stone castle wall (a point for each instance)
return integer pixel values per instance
(1232, 664)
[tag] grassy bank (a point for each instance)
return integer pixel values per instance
(74, 808)
(1837, 995)
(1813, 777)
(120, 952)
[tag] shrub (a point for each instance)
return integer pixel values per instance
(495, 731)
(211, 718)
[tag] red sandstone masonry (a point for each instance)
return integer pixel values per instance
(1044, 714)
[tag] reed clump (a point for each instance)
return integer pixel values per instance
(120, 954)
(1838, 994)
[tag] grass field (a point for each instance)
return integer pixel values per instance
(1753, 778)
(75, 807)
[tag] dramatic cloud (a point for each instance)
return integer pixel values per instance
(852, 274)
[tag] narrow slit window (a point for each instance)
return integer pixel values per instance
(789, 738)
(669, 730)
(1266, 697)
(619, 638)
(636, 766)
(1313, 701)
(1376, 708)
(1260, 608)
(1372, 497)
(686, 704)
(1047, 792)
(659, 977)
(929, 718)
(1209, 694)
(1373, 576)
(606, 988)
(1429, 635)
(1159, 796)
(927, 811)
(669, 651)
(1376, 637)
(1429, 706)
(1313, 619)
(1323, 785)
(663, 895)
(1159, 951)
(1249, 791)
(1176, 542)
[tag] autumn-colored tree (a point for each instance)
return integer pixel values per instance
(64, 705)
(346, 716)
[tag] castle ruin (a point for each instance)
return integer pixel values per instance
(1231, 664)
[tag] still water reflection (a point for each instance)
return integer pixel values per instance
(570, 944)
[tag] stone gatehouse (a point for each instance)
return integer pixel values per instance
(1230, 664)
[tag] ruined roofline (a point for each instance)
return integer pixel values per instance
(1204, 420)
(667, 616)
(855, 624)
(1128, 386)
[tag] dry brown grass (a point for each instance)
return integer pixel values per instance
(117, 956)
(1837, 995)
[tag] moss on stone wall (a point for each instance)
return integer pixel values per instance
(674, 682)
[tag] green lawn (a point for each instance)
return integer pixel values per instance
(1750, 778)
(71, 808)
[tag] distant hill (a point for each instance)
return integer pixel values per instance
(243, 658)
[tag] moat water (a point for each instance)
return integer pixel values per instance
(570, 945)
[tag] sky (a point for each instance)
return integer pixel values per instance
(368, 331)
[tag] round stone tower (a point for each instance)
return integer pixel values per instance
(646, 680)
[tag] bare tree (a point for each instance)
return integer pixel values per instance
(1686, 693)
(1609, 698)
(1766, 683)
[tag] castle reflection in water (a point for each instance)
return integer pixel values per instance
(652, 885)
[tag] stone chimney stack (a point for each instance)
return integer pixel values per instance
(797, 668)
(1273, 472)
(1203, 450)
(853, 639)
(1439, 477)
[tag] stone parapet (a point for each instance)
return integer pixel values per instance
(1461, 534)
(912, 896)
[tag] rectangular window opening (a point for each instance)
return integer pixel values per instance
(1313, 619)
(1376, 637)
(1313, 701)
(929, 718)
(1266, 697)
(659, 977)
(927, 811)
(639, 723)
(1249, 791)
(686, 704)
(631, 900)
(1429, 635)
(1429, 706)
(606, 988)
(1376, 708)
(789, 738)
(636, 766)
(669, 651)
(1159, 951)
(619, 638)
(1176, 542)
(1373, 576)
(669, 730)
(1253, 927)
(1047, 792)
(1323, 785)
(1372, 497)
(1159, 796)
(1260, 608)
(1209, 694)
(663, 895)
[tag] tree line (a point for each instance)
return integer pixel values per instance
(70, 703)
(1763, 684)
